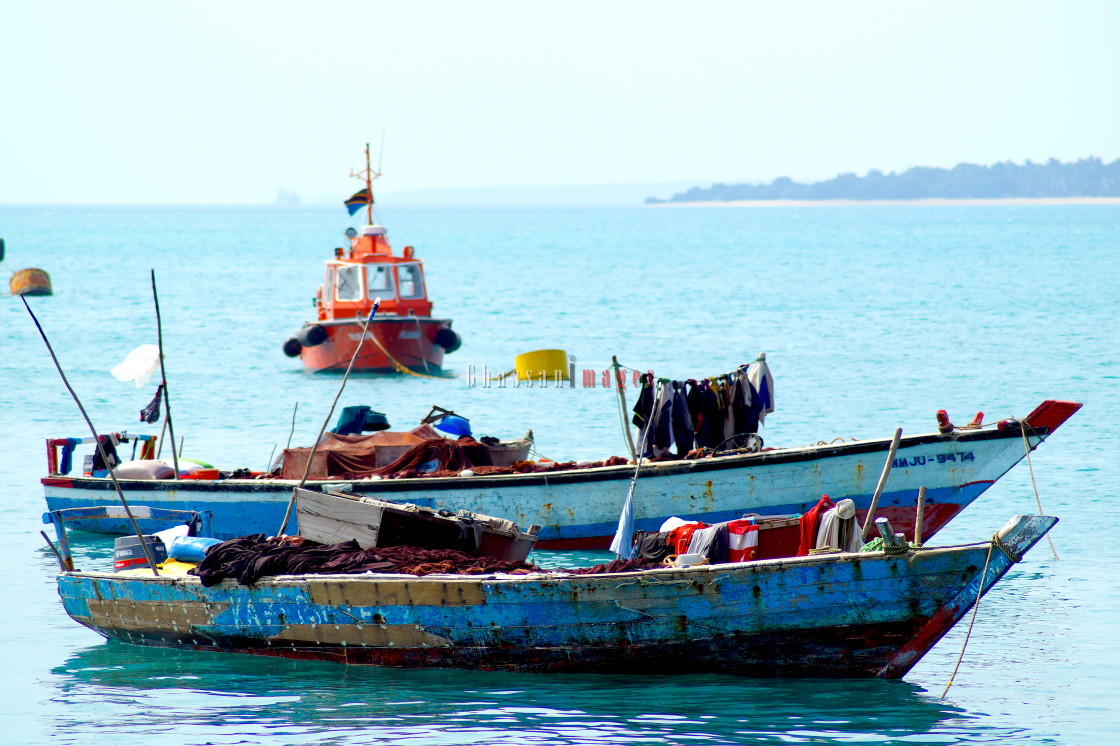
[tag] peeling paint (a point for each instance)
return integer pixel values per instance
(854, 614)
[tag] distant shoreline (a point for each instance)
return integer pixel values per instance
(907, 202)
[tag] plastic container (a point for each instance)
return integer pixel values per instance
(190, 548)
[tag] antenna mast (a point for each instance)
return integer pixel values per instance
(369, 175)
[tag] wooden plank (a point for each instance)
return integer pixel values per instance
(330, 520)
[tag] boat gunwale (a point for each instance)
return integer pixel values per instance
(360, 320)
(585, 474)
(685, 573)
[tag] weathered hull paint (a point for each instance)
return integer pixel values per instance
(579, 509)
(828, 615)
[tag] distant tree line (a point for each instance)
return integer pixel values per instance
(1089, 177)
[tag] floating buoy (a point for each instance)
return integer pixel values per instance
(551, 364)
(31, 281)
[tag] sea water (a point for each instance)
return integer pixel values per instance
(871, 317)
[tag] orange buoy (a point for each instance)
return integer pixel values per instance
(31, 281)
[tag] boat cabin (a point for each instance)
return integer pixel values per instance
(370, 270)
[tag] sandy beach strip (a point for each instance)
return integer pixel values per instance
(906, 202)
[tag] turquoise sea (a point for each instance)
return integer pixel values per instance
(872, 318)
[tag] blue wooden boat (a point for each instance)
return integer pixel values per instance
(842, 614)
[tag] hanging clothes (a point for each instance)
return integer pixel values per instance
(67, 453)
(651, 547)
(661, 436)
(712, 543)
(681, 536)
(682, 419)
(839, 528)
(743, 540)
(743, 403)
(707, 415)
(150, 413)
(109, 446)
(763, 381)
(643, 408)
(726, 401)
(809, 524)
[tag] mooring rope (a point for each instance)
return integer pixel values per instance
(995, 542)
(397, 365)
(1034, 484)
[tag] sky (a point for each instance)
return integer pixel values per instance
(206, 102)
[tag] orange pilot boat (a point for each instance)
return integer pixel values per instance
(402, 337)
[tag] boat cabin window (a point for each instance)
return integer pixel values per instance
(379, 281)
(348, 285)
(411, 281)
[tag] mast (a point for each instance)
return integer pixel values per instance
(369, 174)
(369, 189)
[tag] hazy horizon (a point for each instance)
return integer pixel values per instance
(129, 102)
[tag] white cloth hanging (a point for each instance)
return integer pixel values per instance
(839, 529)
(763, 381)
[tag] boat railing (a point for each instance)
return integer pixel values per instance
(198, 521)
(54, 444)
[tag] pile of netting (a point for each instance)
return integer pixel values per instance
(250, 558)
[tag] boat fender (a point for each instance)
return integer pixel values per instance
(448, 340)
(292, 347)
(466, 473)
(309, 336)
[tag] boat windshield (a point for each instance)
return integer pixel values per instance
(411, 280)
(348, 284)
(379, 282)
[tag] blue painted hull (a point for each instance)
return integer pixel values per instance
(840, 615)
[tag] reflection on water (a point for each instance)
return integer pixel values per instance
(225, 698)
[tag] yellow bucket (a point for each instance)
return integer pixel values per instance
(551, 364)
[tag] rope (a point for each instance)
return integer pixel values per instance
(1030, 467)
(397, 365)
(995, 542)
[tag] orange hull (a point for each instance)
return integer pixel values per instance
(409, 341)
